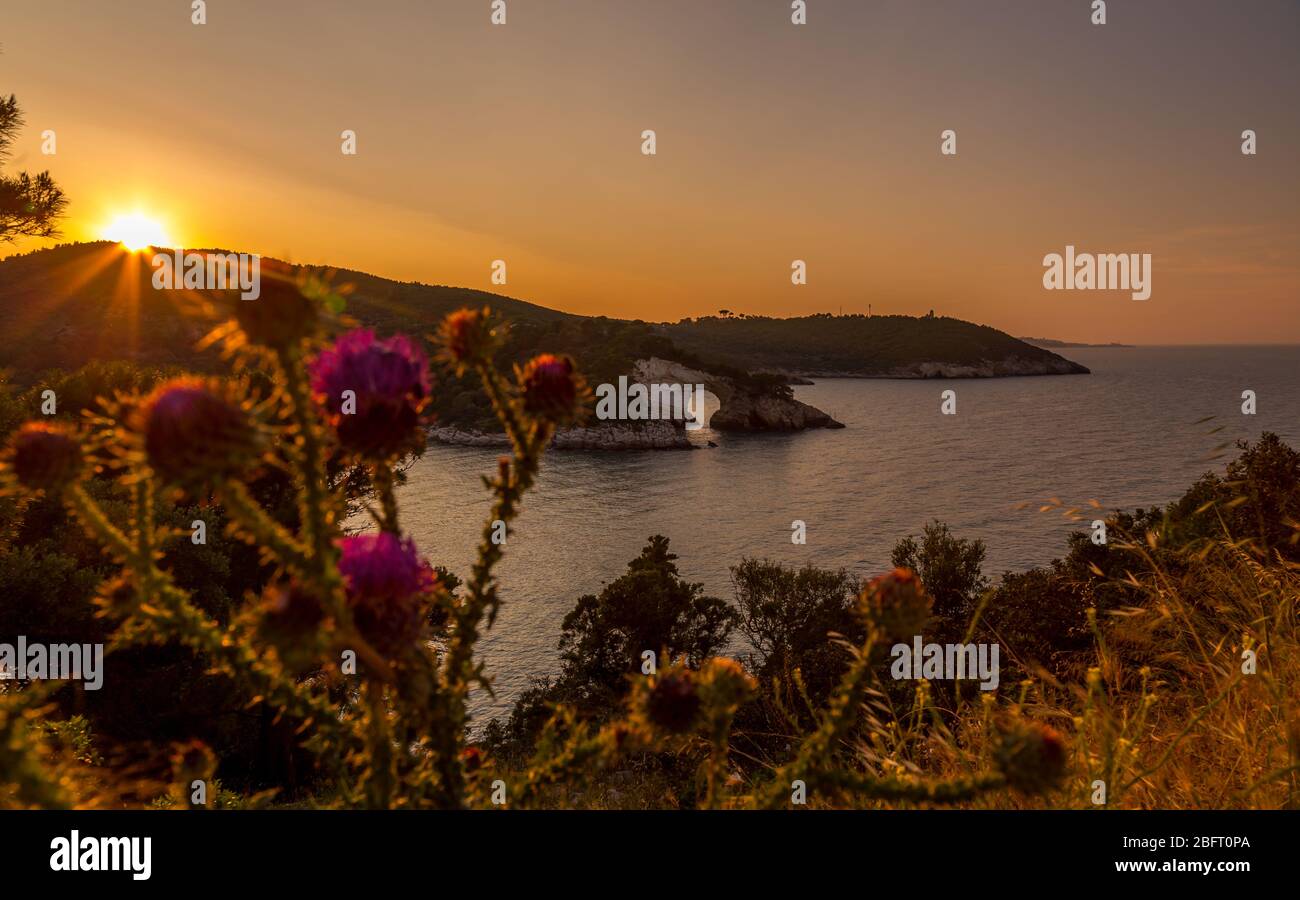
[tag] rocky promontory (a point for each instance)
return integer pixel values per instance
(743, 407)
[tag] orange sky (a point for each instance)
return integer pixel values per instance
(776, 142)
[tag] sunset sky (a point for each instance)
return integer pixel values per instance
(775, 142)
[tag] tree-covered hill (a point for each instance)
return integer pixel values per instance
(63, 307)
(881, 346)
(74, 303)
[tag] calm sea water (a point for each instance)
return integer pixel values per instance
(1126, 435)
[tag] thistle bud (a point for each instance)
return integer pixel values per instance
(725, 683)
(194, 434)
(45, 457)
(467, 336)
(896, 603)
(552, 388)
(280, 317)
(673, 703)
(1031, 756)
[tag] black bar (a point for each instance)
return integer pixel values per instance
(636, 851)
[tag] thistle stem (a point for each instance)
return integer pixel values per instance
(835, 723)
(382, 474)
(314, 503)
(94, 520)
(514, 478)
(381, 778)
(264, 530)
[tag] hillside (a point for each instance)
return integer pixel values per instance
(867, 347)
(76, 303)
(64, 307)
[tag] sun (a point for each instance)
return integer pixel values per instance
(136, 231)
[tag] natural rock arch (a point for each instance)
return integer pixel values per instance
(741, 408)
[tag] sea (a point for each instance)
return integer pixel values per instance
(1017, 466)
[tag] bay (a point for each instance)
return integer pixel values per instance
(1126, 436)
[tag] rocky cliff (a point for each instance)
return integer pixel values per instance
(743, 408)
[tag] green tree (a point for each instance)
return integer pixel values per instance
(30, 205)
(950, 569)
(788, 616)
(648, 608)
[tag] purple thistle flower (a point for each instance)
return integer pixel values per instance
(386, 579)
(390, 378)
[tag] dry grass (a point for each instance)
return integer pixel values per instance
(1170, 713)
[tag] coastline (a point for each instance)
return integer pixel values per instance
(655, 435)
(1013, 368)
(667, 435)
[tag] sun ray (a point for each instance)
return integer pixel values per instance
(65, 281)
